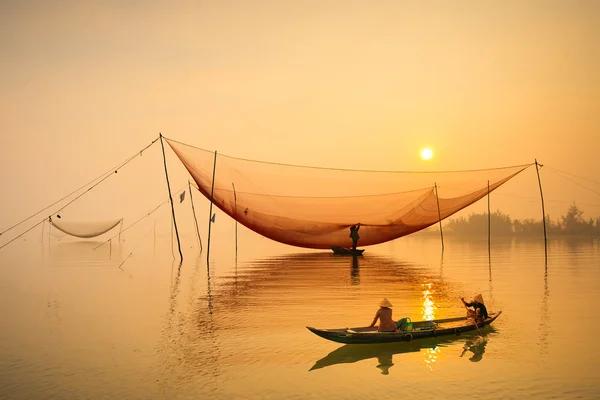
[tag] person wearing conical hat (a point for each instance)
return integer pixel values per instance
(354, 235)
(479, 312)
(384, 315)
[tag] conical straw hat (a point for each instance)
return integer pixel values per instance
(385, 303)
(478, 298)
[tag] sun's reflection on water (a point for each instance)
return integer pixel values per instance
(431, 356)
(428, 314)
(428, 308)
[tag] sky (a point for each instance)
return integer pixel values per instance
(350, 84)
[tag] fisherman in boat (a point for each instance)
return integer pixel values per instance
(354, 235)
(384, 315)
(479, 312)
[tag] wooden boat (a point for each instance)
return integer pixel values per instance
(420, 329)
(346, 251)
(352, 353)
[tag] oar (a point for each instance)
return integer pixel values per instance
(474, 319)
(480, 334)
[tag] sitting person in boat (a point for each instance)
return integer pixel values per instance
(354, 235)
(479, 312)
(384, 315)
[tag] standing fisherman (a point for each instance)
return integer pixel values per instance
(354, 235)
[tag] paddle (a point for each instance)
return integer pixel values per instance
(474, 318)
(480, 334)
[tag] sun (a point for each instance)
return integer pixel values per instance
(426, 154)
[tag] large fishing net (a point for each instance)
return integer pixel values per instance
(315, 207)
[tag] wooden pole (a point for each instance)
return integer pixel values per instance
(439, 215)
(212, 192)
(194, 212)
(537, 169)
(236, 224)
(489, 221)
(170, 197)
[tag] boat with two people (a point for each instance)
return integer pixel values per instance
(414, 330)
(473, 345)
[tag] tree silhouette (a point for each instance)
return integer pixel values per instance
(572, 223)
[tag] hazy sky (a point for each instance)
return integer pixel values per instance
(355, 84)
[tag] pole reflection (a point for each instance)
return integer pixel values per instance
(355, 272)
(544, 323)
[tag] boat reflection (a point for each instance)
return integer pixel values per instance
(432, 347)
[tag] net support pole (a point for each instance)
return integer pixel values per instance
(236, 223)
(42, 236)
(194, 212)
(170, 197)
(437, 198)
(212, 193)
(537, 170)
(489, 222)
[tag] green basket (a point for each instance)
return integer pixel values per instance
(404, 324)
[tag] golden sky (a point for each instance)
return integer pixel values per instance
(351, 84)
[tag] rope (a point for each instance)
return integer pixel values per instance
(108, 173)
(112, 237)
(568, 173)
(577, 183)
(145, 216)
(134, 249)
(16, 237)
(355, 170)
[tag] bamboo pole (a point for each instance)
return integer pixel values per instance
(537, 169)
(437, 198)
(236, 223)
(170, 197)
(212, 192)
(489, 222)
(194, 212)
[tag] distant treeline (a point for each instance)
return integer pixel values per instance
(503, 225)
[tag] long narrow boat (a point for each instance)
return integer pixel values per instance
(420, 329)
(351, 353)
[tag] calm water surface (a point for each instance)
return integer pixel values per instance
(75, 324)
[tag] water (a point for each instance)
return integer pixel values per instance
(78, 324)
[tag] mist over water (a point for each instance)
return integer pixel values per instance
(79, 322)
(85, 86)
